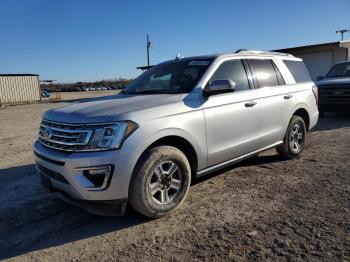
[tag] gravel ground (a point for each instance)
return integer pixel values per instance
(260, 209)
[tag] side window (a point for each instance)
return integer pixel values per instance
(232, 70)
(265, 72)
(298, 70)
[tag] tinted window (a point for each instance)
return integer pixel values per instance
(232, 70)
(265, 72)
(298, 71)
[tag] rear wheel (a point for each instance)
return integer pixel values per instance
(160, 182)
(294, 140)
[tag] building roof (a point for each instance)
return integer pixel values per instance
(311, 46)
(18, 75)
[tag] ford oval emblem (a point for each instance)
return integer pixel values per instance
(47, 133)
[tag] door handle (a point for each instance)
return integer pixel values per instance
(250, 104)
(288, 96)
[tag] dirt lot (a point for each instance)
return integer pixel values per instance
(260, 209)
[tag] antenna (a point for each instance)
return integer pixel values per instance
(342, 32)
(178, 56)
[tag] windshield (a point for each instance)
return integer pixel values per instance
(175, 77)
(339, 70)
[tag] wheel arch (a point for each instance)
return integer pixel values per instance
(304, 114)
(178, 142)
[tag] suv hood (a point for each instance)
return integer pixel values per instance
(109, 108)
(335, 81)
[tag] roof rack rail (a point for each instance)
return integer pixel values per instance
(241, 50)
(261, 52)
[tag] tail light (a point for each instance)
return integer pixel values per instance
(315, 91)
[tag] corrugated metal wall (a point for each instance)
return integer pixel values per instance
(19, 89)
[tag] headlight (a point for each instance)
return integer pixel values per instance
(111, 136)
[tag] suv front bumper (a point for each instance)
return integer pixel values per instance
(63, 172)
(99, 207)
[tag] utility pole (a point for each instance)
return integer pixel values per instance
(342, 32)
(148, 47)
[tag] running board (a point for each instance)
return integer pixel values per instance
(234, 160)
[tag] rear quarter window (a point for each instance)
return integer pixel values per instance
(298, 71)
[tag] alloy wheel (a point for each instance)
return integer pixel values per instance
(297, 137)
(165, 182)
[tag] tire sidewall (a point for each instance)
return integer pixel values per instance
(140, 197)
(296, 120)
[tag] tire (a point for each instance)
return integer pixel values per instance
(160, 181)
(293, 142)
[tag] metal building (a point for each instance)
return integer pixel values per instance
(321, 57)
(19, 88)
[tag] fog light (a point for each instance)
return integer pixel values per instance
(99, 176)
(99, 171)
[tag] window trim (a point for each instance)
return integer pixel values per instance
(252, 75)
(278, 74)
(249, 74)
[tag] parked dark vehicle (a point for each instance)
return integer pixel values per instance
(334, 89)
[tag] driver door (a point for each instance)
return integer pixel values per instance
(232, 119)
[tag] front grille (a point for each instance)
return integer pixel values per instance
(334, 94)
(66, 137)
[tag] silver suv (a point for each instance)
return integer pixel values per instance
(179, 120)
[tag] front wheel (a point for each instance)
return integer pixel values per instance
(294, 140)
(160, 181)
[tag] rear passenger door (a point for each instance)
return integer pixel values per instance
(276, 100)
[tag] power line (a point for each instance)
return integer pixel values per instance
(162, 52)
(158, 55)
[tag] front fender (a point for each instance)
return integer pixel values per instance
(200, 148)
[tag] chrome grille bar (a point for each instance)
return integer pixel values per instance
(67, 137)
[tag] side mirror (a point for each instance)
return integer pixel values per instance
(319, 78)
(219, 87)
